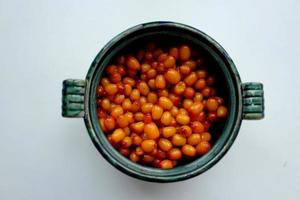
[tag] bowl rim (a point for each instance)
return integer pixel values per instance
(148, 173)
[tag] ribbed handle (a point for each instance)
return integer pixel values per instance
(253, 100)
(73, 98)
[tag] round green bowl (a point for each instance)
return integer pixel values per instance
(244, 100)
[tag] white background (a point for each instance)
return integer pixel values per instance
(44, 156)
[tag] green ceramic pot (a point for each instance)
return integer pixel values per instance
(245, 100)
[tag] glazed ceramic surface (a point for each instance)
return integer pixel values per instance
(245, 100)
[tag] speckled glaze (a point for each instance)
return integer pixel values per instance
(246, 102)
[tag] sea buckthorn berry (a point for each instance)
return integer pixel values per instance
(160, 82)
(222, 112)
(198, 97)
(143, 88)
(148, 145)
(127, 89)
(148, 56)
(201, 74)
(212, 116)
(120, 88)
(121, 70)
(126, 142)
(162, 57)
(104, 81)
(191, 79)
(139, 116)
(169, 62)
(203, 147)
(179, 88)
(187, 103)
(147, 118)
(133, 63)
(184, 69)
(129, 81)
(151, 130)
(115, 77)
(186, 131)
(111, 89)
(154, 64)
(196, 108)
(135, 95)
(166, 164)
(110, 123)
(174, 52)
(101, 91)
(126, 130)
(174, 98)
(136, 140)
(172, 76)
(168, 131)
(174, 111)
(220, 100)
(129, 117)
(147, 107)
(182, 111)
(117, 111)
(122, 121)
(200, 84)
(151, 73)
(151, 83)
(133, 157)
(163, 93)
(197, 127)
(139, 151)
(206, 136)
(156, 112)
(178, 140)
(101, 114)
(174, 154)
(212, 104)
(105, 104)
(101, 122)
(184, 53)
(173, 122)
(132, 73)
(124, 151)
(164, 144)
(118, 135)
(111, 69)
(119, 98)
(206, 91)
(148, 159)
(137, 127)
(143, 100)
(183, 119)
(161, 154)
(192, 64)
(166, 118)
(165, 103)
(152, 97)
(194, 139)
(140, 55)
(188, 150)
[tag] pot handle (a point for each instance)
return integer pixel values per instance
(73, 98)
(253, 100)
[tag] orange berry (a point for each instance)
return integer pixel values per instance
(157, 112)
(166, 118)
(203, 147)
(164, 144)
(118, 135)
(174, 154)
(197, 127)
(166, 164)
(160, 82)
(133, 63)
(151, 131)
(222, 112)
(172, 76)
(184, 53)
(194, 139)
(178, 140)
(206, 136)
(188, 150)
(183, 119)
(169, 62)
(148, 145)
(168, 131)
(165, 103)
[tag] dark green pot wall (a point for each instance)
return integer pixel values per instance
(245, 101)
